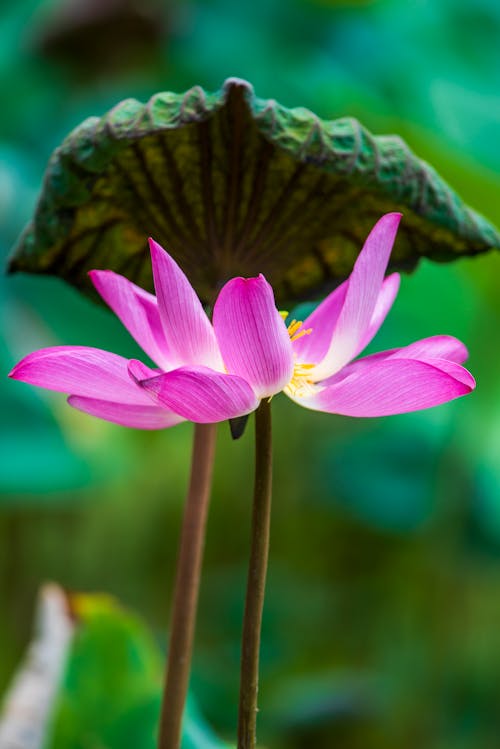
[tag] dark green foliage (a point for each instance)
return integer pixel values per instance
(234, 185)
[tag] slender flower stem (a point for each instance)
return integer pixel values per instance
(256, 583)
(187, 584)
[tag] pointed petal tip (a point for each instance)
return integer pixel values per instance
(389, 223)
(384, 229)
(101, 278)
(393, 217)
(155, 246)
(96, 272)
(155, 249)
(97, 275)
(20, 371)
(13, 372)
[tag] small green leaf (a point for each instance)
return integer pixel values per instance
(234, 185)
(111, 693)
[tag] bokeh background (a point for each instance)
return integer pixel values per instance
(382, 622)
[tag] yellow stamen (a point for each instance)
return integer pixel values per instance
(293, 327)
(300, 334)
(301, 384)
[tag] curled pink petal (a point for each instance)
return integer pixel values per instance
(202, 395)
(252, 336)
(455, 370)
(436, 350)
(136, 416)
(313, 347)
(385, 300)
(137, 310)
(190, 336)
(365, 283)
(80, 370)
(392, 386)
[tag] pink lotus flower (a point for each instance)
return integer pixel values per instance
(210, 372)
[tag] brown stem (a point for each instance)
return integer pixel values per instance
(187, 583)
(256, 583)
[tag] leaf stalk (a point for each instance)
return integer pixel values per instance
(186, 589)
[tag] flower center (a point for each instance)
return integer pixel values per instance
(301, 384)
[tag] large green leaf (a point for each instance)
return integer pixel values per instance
(232, 184)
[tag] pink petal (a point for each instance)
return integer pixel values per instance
(435, 347)
(190, 336)
(80, 370)
(392, 386)
(252, 336)
(436, 350)
(453, 369)
(137, 310)
(365, 283)
(202, 395)
(386, 297)
(139, 417)
(312, 348)
(358, 365)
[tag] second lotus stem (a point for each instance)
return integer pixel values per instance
(254, 604)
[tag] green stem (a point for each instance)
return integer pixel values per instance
(256, 583)
(187, 583)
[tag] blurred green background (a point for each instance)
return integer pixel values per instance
(382, 622)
